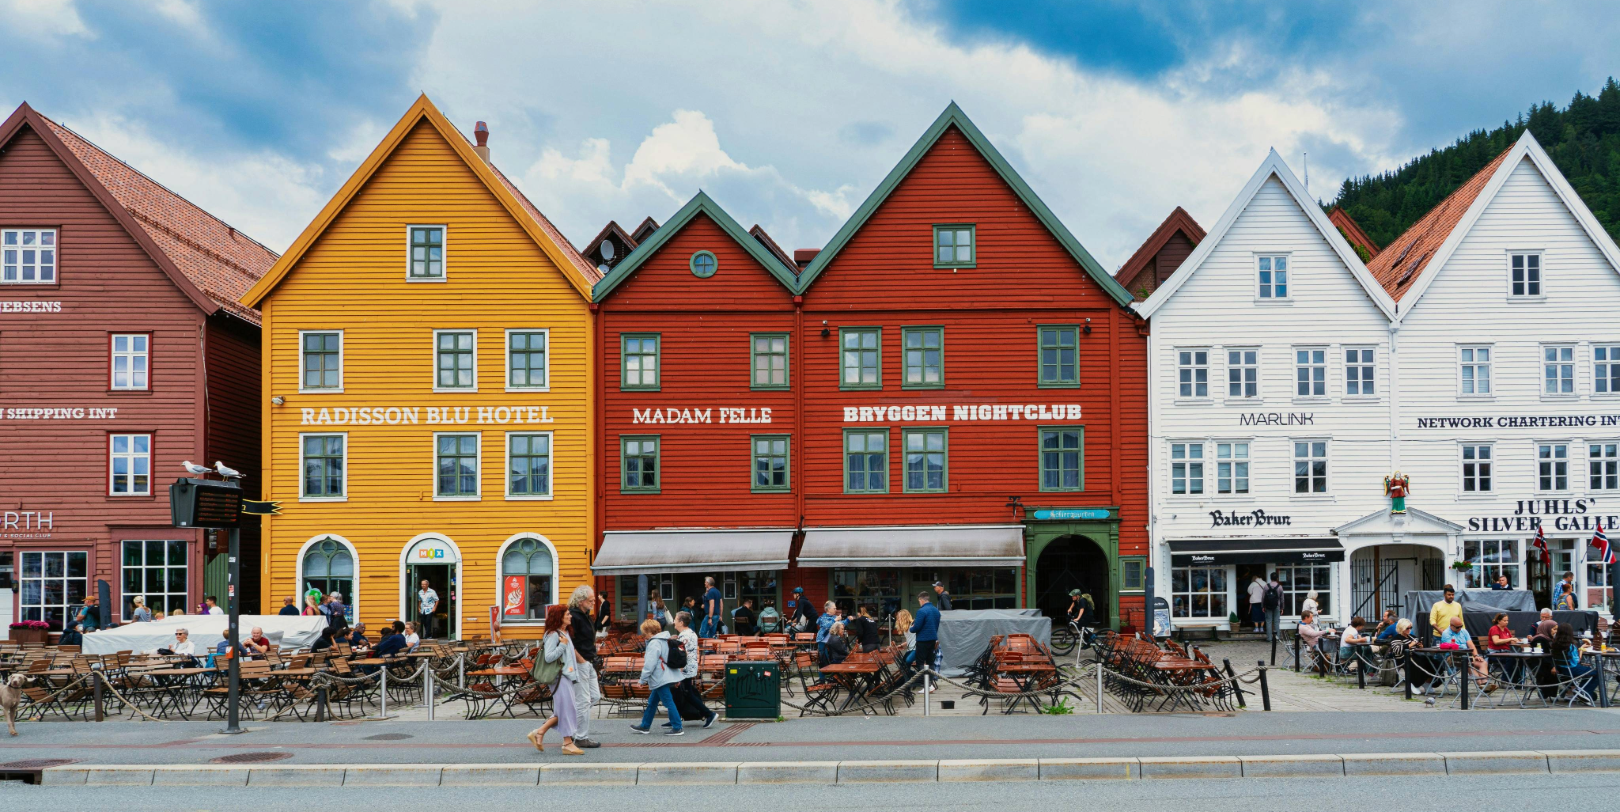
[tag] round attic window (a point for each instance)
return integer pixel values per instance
(704, 264)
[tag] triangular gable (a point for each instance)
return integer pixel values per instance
(1386, 522)
(1179, 222)
(954, 117)
(49, 132)
(647, 227)
(700, 204)
(1398, 267)
(1525, 148)
(1272, 166)
(575, 269)
(758, 233)
(607, 234)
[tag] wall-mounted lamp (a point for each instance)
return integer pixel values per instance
(1087, 328)
(278, 400)
(825, 331)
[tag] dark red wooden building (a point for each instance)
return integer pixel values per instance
(1161, 254)
(123, 352)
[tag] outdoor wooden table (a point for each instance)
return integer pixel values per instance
(180, 681)
(852, 677)
(1023, 674)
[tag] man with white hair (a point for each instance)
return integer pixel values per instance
(582, 632)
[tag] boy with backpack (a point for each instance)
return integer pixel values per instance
(661, 668)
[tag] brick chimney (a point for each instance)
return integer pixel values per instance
(481, 137)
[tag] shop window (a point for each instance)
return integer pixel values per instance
(1192, 374)
(156, 572)
(862, 351)
(528, 465)
(329, 567)
(878, 588)
(1552, 466)
(1060, 355)
(980, 588)
(131, 465)
(1606, 370)
(427, 253)
(1603, 463)
(1524, 276)
(457, 465)
(1310, 466)
(639, 469)
(325, 465)
(1558, 370)
(924, 356)
(1063, 458)
(1358, 372)
(1310, 373)
(1243, 373)
(322, 362)
(130, 357)
(1272, 277)
(866, 461)
(770, 463)
(1299, 581)
(526, 359)
(638, 361)
(768, 358)
(660, 586)
(954, 246)
(760, 585)
(926, 463)
(1132, 574)
(1494, 557)
(52, 583)
(455, 360)
(1598, 589)
(1198, 592)
(1186, 468)
(1232, 468)
(29, 256)
(530, 559)
(1476, 469)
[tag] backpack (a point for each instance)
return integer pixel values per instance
(1272, 598)
(674, 655)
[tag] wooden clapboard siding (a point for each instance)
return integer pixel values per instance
(352, 277)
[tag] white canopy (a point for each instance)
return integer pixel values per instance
(653, 552)
(988, 545)
(288, 631)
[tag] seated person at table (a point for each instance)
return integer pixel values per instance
(256, 643)
(324, 642)
(1386, 626)
(1457, 637)
(1545, 629)
(1399, 647)
(357, 638)
(770, 620)
(1567, 658)
(392, 643)
(742, 619)
(182, 646)
(1501, 583)
(1500, 639)
(412, 639)
(1352, 643)
(837, 648)
(224, 645)
(1311, 638)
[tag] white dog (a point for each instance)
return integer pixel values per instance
(11, 694)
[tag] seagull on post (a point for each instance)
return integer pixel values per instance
(229, 473)
(196, 470)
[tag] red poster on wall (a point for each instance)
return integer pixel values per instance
(514, 599)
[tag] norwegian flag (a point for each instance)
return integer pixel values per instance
(1601, 542)
(1540, 543)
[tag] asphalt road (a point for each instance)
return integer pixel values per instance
(1504, 793)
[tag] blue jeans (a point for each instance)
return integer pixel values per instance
(661, 694)
(707, 627)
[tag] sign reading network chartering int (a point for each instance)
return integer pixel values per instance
(1059, 514)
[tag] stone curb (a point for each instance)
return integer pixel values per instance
(839, 772)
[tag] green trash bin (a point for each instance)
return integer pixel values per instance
(753, 689)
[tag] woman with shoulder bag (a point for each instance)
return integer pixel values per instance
(555, 667)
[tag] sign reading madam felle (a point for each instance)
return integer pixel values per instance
(1557, 515)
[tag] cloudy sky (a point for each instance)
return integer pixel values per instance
(789, 113)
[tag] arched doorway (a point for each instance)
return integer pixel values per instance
(1071, 562)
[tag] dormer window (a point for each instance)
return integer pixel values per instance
(427, 254)
(1272, 277)
(953, 246)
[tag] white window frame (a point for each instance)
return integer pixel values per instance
(444, 253)
(131, 456)
(1187, 462)
(478, 478)
(342, 348)
(1371, 368)
(1224, 591)
(129, 355)
(1489, 363)
(506, 470)
(55, 249)
(1552, 461)
(1600, 381)
(1287, 284)
(1571, 366)
(507, 352)
(435, 359)
(1327, 363)
(1241, 367)
(1193, 382)
(1484, 462)
(1541, 275)
(1605, 460)
(304, 497)
(1233, 460)
(1294, 459)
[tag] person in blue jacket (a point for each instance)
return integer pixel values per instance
(926, 627)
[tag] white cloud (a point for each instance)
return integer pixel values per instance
(43, 17)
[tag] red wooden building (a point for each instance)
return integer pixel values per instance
(122, 353)
(1165, 249)
(974, 390)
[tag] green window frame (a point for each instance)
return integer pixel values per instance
(922, 356)
(322, 353)
(927, 460)
(771, 455)
(427, 253)
(455, 360)
(956, 245)
(703, 264)
(1059, 348)
(639, 463)
(638, 362)
(1133, 573)
(526, 366)
(325, 456)
(1063, 458)
(528, 464)
(866, 460)
(768, 361)
(456, 465)
(860, 358)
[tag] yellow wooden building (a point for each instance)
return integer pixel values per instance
(430, 382)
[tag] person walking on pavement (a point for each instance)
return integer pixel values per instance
(582, 633)
(824, 624)
(1271, 603)
(926, 627)
(1563, 597)
(943, 598)
(1257, 597)
(687, 693)
(427, 602)
(712, 604)
(565, 711)
(658, 676)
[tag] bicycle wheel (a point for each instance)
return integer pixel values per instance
(1064, 640)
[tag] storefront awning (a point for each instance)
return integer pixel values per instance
(991, 545)
(1196, 552)
(655, 552)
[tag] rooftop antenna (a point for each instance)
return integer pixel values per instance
(1307, 172)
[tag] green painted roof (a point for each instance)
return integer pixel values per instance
(953, 116)
(703, 204)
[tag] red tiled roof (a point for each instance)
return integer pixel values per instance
(222, 262)
(1178, 220)
(1352, 230)
(1403, 260)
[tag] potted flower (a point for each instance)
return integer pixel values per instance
(1462, 566)
(30, 631)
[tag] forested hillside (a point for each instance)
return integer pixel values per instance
(1582, 138)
